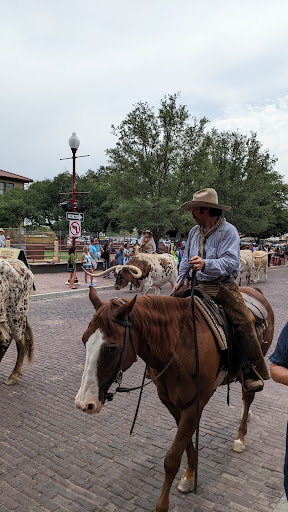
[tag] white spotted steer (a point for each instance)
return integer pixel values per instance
(157, 270)
(16, 281)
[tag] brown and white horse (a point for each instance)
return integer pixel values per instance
(158, 323)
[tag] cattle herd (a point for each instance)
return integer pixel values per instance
(253, 261)
(143, 271)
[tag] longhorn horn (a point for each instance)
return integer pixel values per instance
(243, 261)
(103, 273)
(135, 271)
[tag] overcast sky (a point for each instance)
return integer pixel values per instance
(82, 65)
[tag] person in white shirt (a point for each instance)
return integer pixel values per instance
(2, 238)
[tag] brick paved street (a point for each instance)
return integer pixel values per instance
(55, 458)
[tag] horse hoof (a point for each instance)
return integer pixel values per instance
(13, 379)
(238, 446)
(185, 485)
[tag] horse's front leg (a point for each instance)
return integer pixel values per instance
(239, 443)
(186, 483)
(186, 427)
(14, 377)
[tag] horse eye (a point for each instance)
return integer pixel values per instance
(112, 348)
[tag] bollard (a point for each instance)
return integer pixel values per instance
(56, 258)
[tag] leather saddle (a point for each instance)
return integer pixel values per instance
(215, 314)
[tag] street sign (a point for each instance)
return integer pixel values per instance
(75, 228)
(74, 216)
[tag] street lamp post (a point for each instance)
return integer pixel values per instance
(74, 144)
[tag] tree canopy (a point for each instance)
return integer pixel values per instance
(159, 160)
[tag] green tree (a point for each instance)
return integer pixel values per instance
(243, 175)
(13, 207)
(151, 164)
(43, 198)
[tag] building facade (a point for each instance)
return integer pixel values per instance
(9, 180)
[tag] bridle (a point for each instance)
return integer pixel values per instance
(127, 336)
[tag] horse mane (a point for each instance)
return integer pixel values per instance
(159, 320)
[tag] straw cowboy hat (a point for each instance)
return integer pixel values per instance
(147, 231)
(206, 197)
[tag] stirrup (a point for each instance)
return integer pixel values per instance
(260, 381)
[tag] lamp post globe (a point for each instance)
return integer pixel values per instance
(74, 142)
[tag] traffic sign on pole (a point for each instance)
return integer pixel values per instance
(75, 228)
(74, 216)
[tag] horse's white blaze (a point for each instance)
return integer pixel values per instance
(89, 389)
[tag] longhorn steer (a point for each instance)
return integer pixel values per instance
(157, 270)
(260, 259)
(247, 262)
(16, 281)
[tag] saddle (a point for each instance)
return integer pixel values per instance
(215, 316)
(223, 331)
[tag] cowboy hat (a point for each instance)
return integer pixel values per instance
(147, 231)
(207, 197)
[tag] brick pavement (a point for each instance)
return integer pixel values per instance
(55, 458)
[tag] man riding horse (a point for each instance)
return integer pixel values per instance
(213, 251)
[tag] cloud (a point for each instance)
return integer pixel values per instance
(69, 66)
(270, 121)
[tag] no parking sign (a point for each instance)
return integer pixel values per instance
(75, 228)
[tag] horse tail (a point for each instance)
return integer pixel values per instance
(29, 343)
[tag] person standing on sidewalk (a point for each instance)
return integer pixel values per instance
(279, 373)
(2, 238)
(98, 248)
(86, 261)
(119, 257)
(93, 253)
(106, 259)
(71, 267)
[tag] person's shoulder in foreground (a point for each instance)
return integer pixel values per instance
(280, 354)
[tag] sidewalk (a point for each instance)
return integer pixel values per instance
(55, 284)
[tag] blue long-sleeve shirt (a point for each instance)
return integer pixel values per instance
(280, 354)
(119, 257)
(221, 253)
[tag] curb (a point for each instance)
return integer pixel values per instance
(54, 295)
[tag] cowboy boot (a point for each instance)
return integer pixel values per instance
(243, 323)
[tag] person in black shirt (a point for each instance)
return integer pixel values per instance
(106, 258)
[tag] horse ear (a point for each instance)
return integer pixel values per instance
(94, 298)
(125, 309)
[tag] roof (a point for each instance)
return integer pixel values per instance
(15, 177)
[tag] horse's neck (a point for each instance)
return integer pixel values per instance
(155, 334)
